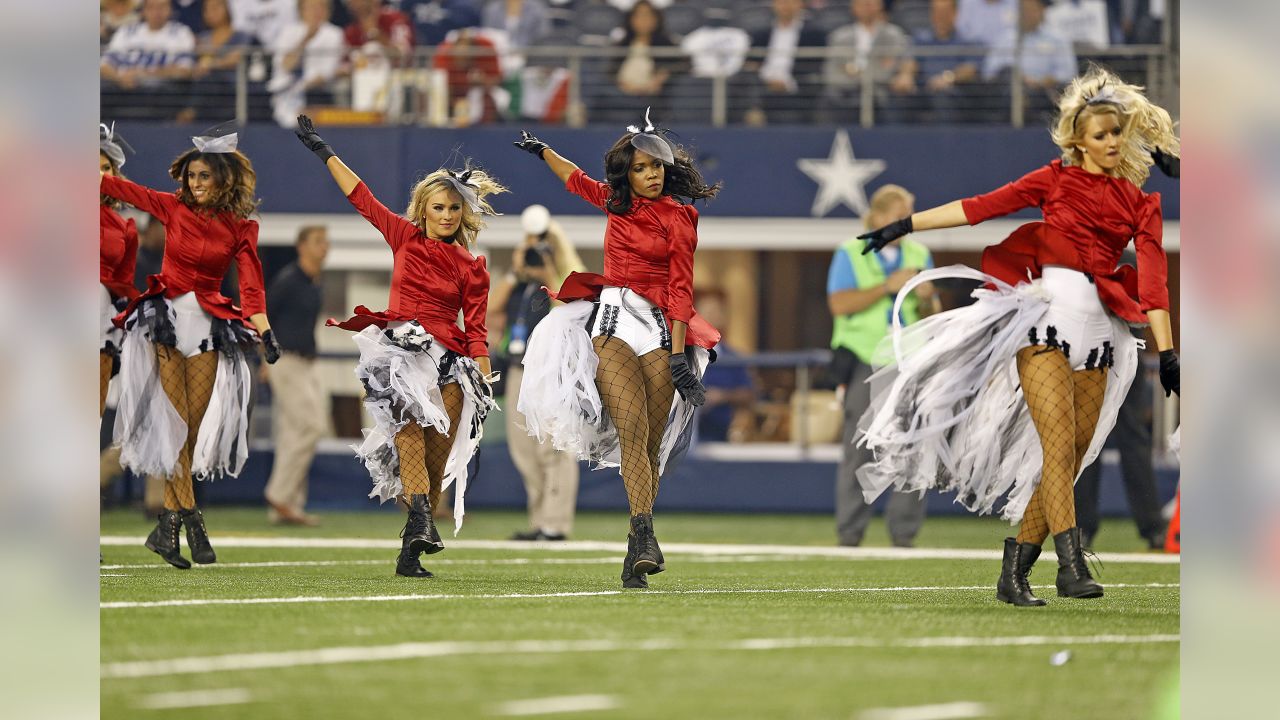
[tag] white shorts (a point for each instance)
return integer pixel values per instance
(1077, 322)
(192, 325)
(626, 315)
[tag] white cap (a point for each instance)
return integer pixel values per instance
(535, 219)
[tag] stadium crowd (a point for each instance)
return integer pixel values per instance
(784, 61)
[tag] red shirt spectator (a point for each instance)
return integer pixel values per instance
(389, 28)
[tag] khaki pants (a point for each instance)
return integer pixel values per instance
(550, 476)
(299, 420)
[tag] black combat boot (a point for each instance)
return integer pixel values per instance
(648, 558)
(1074, 580)
(163, 540)
(629, 578)
(1013, 586)
(197, 537)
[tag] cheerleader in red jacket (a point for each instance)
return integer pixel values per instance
(1015, 394)
(185, 382)
(601, 374)
(117, 257)
(426, 380)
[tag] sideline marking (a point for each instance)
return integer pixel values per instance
(408, 651)
(307, 599)
(943, 711)
(560, 704)
(194, 698)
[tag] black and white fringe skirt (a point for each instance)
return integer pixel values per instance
(947, 410)
(148, 429)
(402, 369)
(558, 395)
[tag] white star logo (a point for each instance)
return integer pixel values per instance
(840, 177)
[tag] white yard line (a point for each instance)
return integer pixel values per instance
(943, 711)
(806, 551)
(609, 560)
(308, 599)
(561, 704)
(194, 698)
(408, 651)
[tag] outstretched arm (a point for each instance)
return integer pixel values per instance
(532, 145)
(306, 132)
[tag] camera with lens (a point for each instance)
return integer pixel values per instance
(537, 254)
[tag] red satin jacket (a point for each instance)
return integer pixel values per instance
(198, 249)
(1089, 219)
(117, 252)
(650, 250)
(431, 282)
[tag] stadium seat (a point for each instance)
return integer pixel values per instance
(682, 20)
(754, 18)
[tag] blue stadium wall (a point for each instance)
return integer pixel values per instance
(757, 165)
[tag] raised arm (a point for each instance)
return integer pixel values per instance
(306, 132)
(532, 145)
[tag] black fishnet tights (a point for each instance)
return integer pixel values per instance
(104, 378)
(188, 381)
(1065, 406)
(424, 451)
(636, 393)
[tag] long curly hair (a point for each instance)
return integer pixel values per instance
(472, 221)
(1144, 126)
(681, 180)
(233, 175)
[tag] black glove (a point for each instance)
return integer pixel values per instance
(686, 381)
(530, 144)
(270, 347)
(1169, 164)
(880, 237)
(306, 132)
(1170, 373)
(120, 303)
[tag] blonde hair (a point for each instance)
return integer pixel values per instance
(1144, 126)
(883, 199)
(481, 182)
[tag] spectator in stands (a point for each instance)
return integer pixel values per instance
(1141, 21)
(627, 5)
(861, 289)
(946, 80)
(218, 51)
(147, 66)
(542, 260)
(715, 50)
(389, 29)
(298, 411)
(474, 78)
(639, 77)
(730, 388)
(870, 49)
(113, 15)
(525, 21)
(190, 13)
(787, 86)
(1047, 61)
(1084, 22)
(986, 21)
(434, 19)
(308, 56)
(264, 19)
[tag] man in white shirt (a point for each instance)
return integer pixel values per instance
(1083, 22)
(146, 66)
(986, 21)
(787, 86)
(309, 54)
(263, 19)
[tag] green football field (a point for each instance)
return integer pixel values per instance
(755, 617)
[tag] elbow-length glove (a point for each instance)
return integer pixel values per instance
(686, 380)
(878, 238)
(530, 144)
(306, 132)
(1170, 373)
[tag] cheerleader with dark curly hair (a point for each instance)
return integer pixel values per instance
(603, 371)
(185, 382)
(427, 381)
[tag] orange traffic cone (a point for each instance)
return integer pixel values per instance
(1173, 536)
